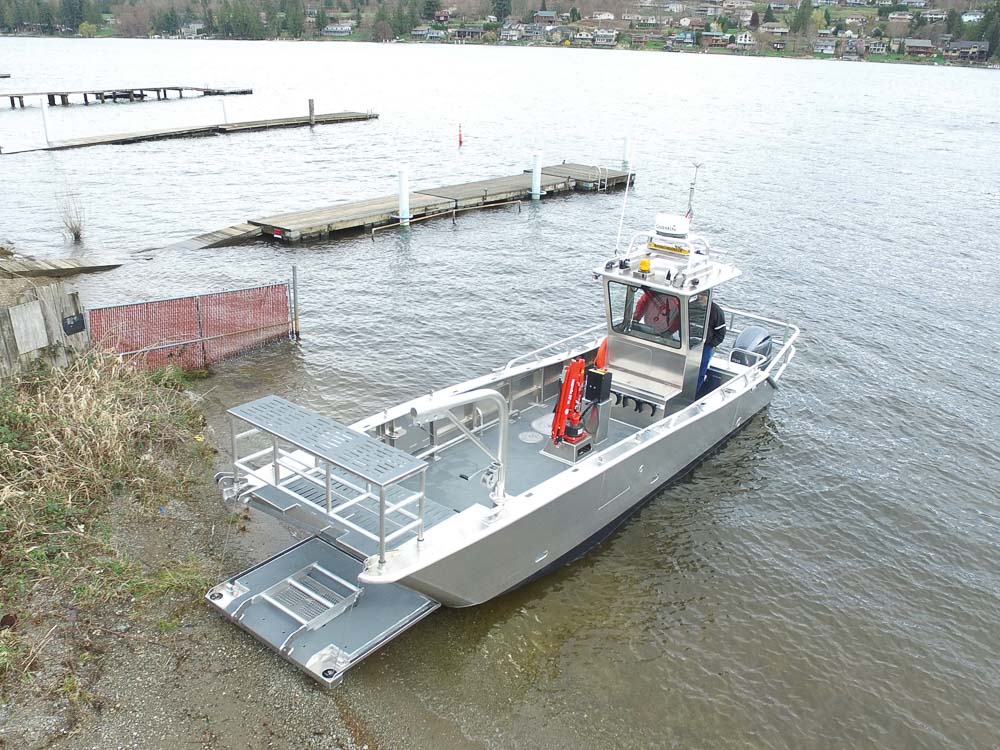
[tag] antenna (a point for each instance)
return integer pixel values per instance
(690, 211)
(621, 220)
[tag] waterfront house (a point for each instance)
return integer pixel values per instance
(713, 39)
(746, 42)
(442, 16)
(824, 46)
(337, 29)
(687, 38)
(511, 32)
(853, 48)
(435, 35)
(918, 47)
(533, 31)
(973, 16)
(583, 38)
(419, 33)
(968, 51)
(192, 30)
(774, 28)
(875, 46)
(605, 38)
(468, 33)
(545, 17)
(778, 45)
(602, 15)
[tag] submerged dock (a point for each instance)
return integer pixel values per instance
(121, 94)
(23, 268)
(440, 201)
(202, 131)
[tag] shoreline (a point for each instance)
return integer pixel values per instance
(931, 62)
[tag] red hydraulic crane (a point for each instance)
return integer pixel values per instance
(566, 423)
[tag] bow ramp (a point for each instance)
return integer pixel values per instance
(358, 495)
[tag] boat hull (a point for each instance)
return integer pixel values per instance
(563, 518)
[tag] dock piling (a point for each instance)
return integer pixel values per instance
(626, 153)
(45, 121)
(225, 116)
(312, 112)
(536, 177)
(404, 196)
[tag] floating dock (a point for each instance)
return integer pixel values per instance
(24, 268)
(4, 75)
(123, 94)
(202, 131)
(440, 201)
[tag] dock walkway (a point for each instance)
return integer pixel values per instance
(425, 203)
(14, 268)
(124, 94)
(202, 131)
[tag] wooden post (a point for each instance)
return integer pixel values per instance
(131, 95)
(157, 95)
(12, 106)
(100, 96)
(52, 99)
(86, 99)
(65, 99)
(312, 112)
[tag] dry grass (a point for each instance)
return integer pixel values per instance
(71, 441)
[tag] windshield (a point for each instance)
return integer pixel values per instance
(645, 314)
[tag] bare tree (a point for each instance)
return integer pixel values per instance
(73, 215)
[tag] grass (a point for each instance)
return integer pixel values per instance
(72, 441)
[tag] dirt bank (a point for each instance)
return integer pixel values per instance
(107, 643)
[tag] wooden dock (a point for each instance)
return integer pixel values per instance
(440, 201)
(24, 268)
(203, 131)
(123, 94)
(4, 75)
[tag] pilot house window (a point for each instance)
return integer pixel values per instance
(697, 316)
(646, 314)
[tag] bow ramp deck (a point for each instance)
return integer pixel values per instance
(439, 201)
(358, 495)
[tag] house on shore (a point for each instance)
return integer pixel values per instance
(919, 47)
(545, 17)
(824, 46)
(605, 38)
(968, 51)
(583, 39)
(714, 39)
(746, 42)
(511, 32)
(874, 46)
(337, 29)
(468, 33)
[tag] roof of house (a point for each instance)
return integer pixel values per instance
(923, 43)
(983, 45)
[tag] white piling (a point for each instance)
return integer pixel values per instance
(627, 153)
(45, 119)
(225, 115)
(312, 112)
(404, 196)
(536, 177)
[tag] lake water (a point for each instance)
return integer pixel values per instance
(831, 578)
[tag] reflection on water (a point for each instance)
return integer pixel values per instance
(829, 577)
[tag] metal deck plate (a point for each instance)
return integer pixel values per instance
(332, 441)
(344, 633)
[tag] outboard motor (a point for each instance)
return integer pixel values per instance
(754, 340)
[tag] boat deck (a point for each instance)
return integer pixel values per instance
(453, 480)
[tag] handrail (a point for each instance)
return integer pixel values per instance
(431, 408)
(538, 351)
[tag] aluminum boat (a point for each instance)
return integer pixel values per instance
(459, 496)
